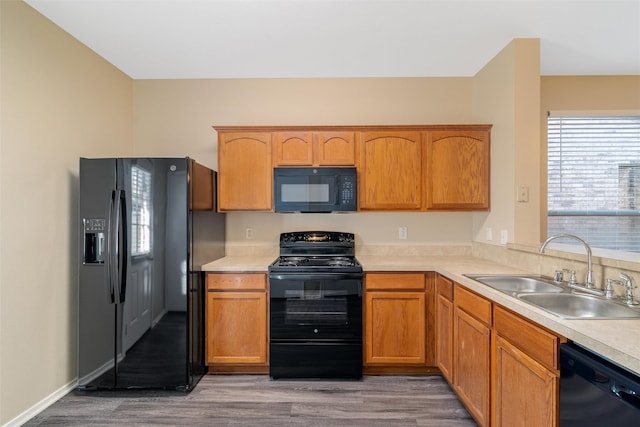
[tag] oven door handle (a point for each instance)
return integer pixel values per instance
(315, 276)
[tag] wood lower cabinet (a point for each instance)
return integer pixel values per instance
(398, 322)
(444, 326)
(245, 177)
(504, 368)
(236, 322)
(525, 372)
(472, 352)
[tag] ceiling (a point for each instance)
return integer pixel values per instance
(192, 39)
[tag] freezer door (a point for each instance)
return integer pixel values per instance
(96, 295)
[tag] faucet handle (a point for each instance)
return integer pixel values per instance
(572, 279)
(558, 276)
(629, 287)
(608, 290)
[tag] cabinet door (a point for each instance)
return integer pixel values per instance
(472, 351)
(236, 327)
(245, 178)
(202, 196)
(293, 149)
(390, 171)
(395, 328)
(335, 148)
(457, 170)
(444, 327)
(524, 390)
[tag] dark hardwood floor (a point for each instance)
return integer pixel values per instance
(255, 400)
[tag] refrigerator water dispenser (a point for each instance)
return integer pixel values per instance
(94, 240)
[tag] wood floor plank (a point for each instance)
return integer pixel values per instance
(255, 400)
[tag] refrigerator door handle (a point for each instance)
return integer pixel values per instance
(123, 245)
(111, 257)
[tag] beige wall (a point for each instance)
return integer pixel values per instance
(60, 101)
(175, 117)
(507, 94)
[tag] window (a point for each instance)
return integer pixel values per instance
(594, 179)
(140, 211)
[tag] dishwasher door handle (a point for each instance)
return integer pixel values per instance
(625, 393)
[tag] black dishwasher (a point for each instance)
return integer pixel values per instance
(595, 392)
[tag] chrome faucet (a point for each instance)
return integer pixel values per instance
(589, 280)
(629, 287)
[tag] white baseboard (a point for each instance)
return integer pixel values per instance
(42, 405)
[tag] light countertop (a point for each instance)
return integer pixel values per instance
(617, 340)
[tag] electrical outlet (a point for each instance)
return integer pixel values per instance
(523, 194)
(248, 233)
(504, 236)
(402, 233)
(489, 235)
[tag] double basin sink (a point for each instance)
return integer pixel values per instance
(557, 299)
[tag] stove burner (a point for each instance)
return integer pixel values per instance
(340, 262)
(288, 263)
(292, 261)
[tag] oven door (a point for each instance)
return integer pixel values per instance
(316, 307)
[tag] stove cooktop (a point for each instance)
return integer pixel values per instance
(316, 251)
(296, 264)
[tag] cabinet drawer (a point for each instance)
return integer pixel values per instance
(234, 281)
(444, 287)
(394, 281)
(475, 305)
(533, 340)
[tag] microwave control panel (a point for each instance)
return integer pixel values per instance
(348, 190)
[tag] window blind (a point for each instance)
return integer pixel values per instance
(594, 179)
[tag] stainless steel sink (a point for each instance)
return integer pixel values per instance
(577, 306)
(518, 284)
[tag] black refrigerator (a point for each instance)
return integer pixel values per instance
(146, 227)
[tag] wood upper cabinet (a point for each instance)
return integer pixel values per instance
(472, 352)
(203, 184)
(245, 178)
(444, 326)
(236, 320)
(457, 169)
(525, 372)
(395, 319)
(335, 148)
(400, 168)
(293, 149)
(322, 148)
(390, 170)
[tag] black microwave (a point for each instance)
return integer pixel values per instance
(319, 189)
